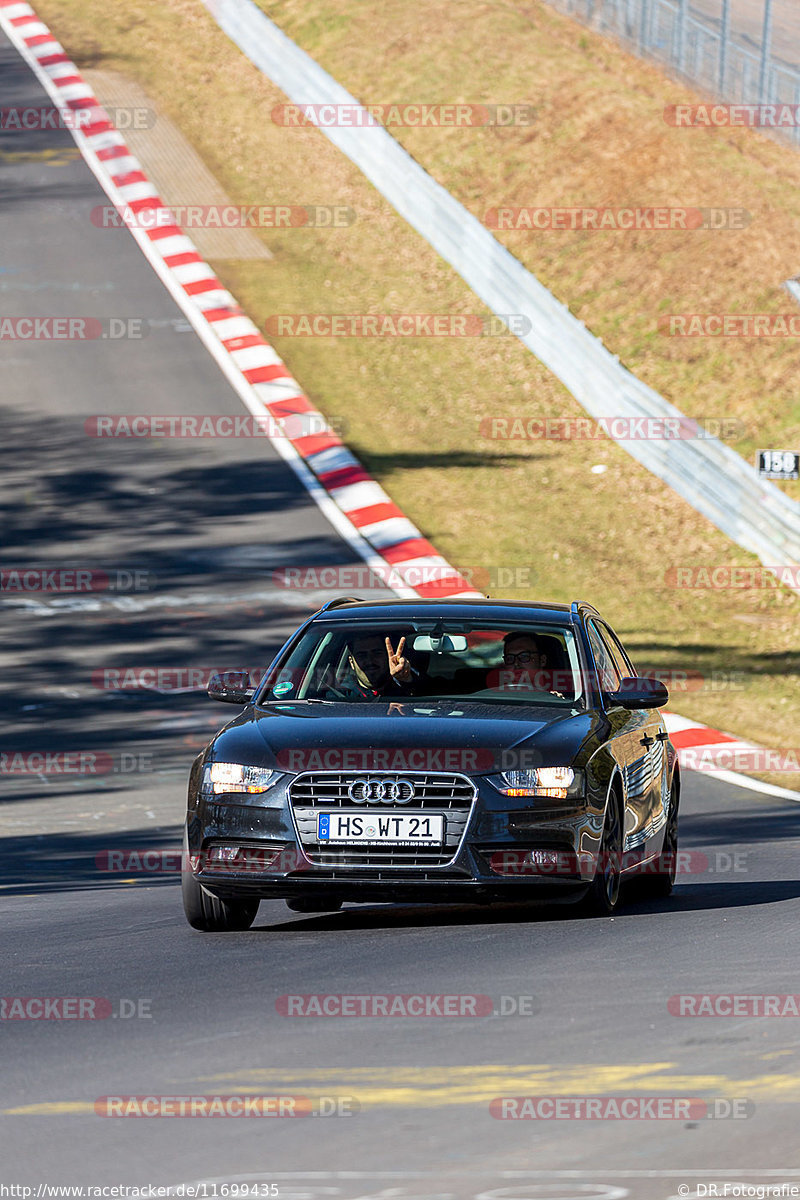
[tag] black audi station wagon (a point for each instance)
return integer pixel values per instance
(423, 750)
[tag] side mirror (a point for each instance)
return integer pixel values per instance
(640, 692)
(232, 687)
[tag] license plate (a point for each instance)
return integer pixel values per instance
(382, 828)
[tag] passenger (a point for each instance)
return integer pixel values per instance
(525, 666)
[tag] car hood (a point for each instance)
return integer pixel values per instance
(470, 737)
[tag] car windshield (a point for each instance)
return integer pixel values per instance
(366, 661)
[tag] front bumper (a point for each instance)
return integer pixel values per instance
(491, 861)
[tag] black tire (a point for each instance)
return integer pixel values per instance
(602, 898)
(209, 913)
(662, 881)
(313, 904)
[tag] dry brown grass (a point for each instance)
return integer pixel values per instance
(599, 139)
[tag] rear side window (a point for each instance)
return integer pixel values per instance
(608, 677)
(614, 647)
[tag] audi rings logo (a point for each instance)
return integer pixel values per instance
(381, 791)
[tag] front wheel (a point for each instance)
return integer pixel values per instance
(209, 913)
(663, 881)
(603, 896)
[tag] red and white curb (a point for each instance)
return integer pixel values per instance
(701, 748)
(358, 507)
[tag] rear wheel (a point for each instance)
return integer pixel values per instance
(603, 896)
(209, 913)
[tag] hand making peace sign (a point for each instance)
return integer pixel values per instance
(399, 667)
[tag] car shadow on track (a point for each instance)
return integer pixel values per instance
(685, 898)
(692, 897)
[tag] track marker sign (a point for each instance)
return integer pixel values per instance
(778, 464)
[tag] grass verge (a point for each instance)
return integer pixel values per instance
(414, 406)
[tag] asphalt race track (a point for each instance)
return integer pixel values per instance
(401, 1104)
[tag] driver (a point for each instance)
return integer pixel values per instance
(375, 668)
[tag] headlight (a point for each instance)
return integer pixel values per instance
(557, 783)
(222, 777)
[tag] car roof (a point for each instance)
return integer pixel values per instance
(345, 608)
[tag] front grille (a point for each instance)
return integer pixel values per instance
(328, 789)
(450, 795)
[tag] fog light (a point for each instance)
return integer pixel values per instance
(254, 859)
(543, 858)
(532, 862)
(223, 853)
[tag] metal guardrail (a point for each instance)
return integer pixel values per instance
(712, 49)
(714, 479)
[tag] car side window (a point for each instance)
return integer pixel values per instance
(608, 676)
(612, 643)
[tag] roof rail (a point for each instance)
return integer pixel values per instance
(337, 601)
(581, 606)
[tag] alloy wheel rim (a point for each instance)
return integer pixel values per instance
(611, 874)
(671, 840)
